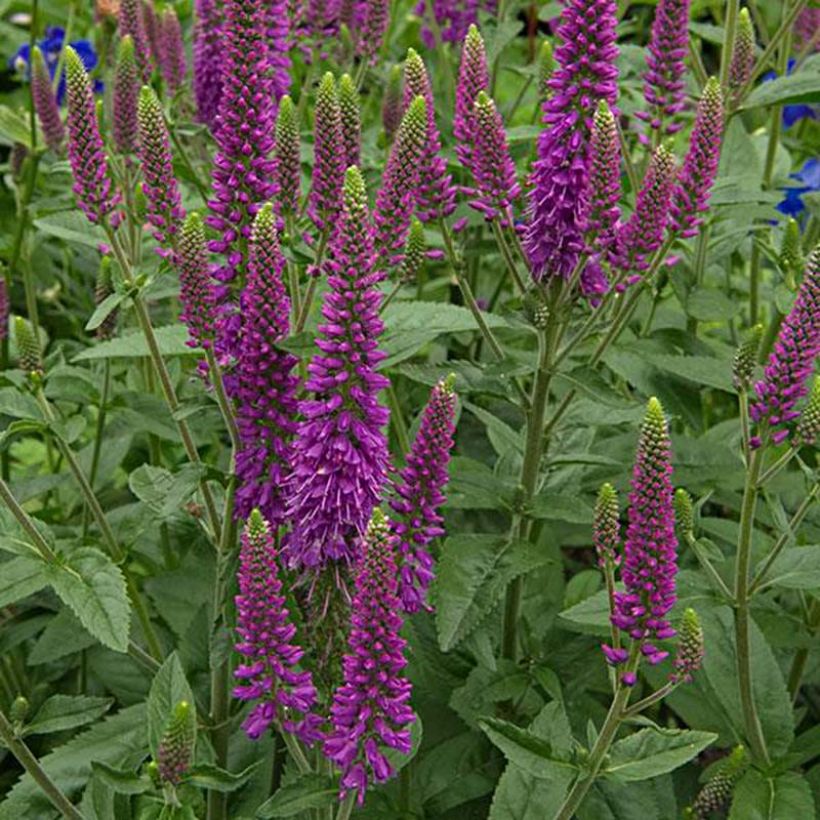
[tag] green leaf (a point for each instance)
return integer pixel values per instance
(21, 577)
(94, 588)
(168, 688)
(646, 800)
(209, 776)
(654, 751)
(61, 712)
(63, 636)
(72, 226)
(503, 438)
(104, 309)
(19, 405)
(551, 506)
(15, 127)
(591, 614)
(172, 341)
(122, 781)
(473, 575)
(164, 492)
(500, 36)
(803, 87)
(785, 797)
(474, 486)
(704, 370)
(796, 568)
(710, 305)
(308, 791)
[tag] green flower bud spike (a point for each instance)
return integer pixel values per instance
(684, 513)
(808, 427)
(745, 359)
(29, 357)
(176, 749)
(414, 250)
(716, 795)
(791, 259)
(689, 656)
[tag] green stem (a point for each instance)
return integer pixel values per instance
(397, 421)
(313, 284)
(201, 187)
(346, 807)
(650, 700)
(296, 751)
(215, 372)
(700, 272)
(703, 560)
(777, 466)
(29, 762)
(506, 253)
(28, 525)
(729, 34)
(390, 296)
(98, 435)
(696, 59)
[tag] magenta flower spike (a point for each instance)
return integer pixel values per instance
(351, 120)
(150, 23)
(86, 152)
(664, 83)
(208, 57)
(691, 197)
(649, 565)
(473, 78)
(420, 495)
(269, 673)
(435, 193)
(176, 747)
(45, 102)
(493, 167)
(164, 203)
(132, 22)
(370, 710)
(262, 383)
(805, 28)
(392, 103)
(586, 74)
(453, 18)
(126, 93)
(791, 363)
(173, 63)
(395, 199)
(340, 455)
(288, 160)
(328, 156)
(278, 31)
(196, 292)
(743, 54)
(374, 27)
(689, 655)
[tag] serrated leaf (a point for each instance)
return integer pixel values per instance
(19, 405)
(61, 712)
(473, 575)
(163, 491)
(168, 688)
(591, 614)
(652, 752)
(551, 506)
(172, 341)
(104, 309)
(63, 636)
(72, 226)
(803, 87)
(785, 797)
(209, 776)
(122, 781)
(21, 577)
(308, 791)
(94, 587)
(796, 568)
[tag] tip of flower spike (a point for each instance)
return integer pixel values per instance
(265, 219)
(148, 98)
(684, 511)
(256, 524)
(654, 413)
(712, 90)
(181, 710)
(125, 49)
(38, 62)
(745, 20)
(328, 84)
(607, 495)
(346, 86)
(355, 193)
(604, 112)
(193, 225)
(378, 518)
(73, 64)
(448, 383)
(483, 100)
(417, 111)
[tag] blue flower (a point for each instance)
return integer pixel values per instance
(809, 177)
(51, 45)
(797, 112)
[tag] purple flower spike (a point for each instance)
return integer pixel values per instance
(208, 57)
(394, 201)
(45, 102)
(176, 747)
(195, 288)
(132, 22)
(150, 23)
(126, 93)
(371, 708)
(586, 74)
(351, 121)
(288, 162)
(86, 152)
(700, 167)
(743, 55)
(172, 50)
(453, 18)
(268, 674)
(263, 383)
(649, 564)
(340, 459)
(164, 204)
(435, 194)
(328, 158)
(278, 31)
(473, 77)
(791, 363)
(420, 491)
(605, 181)
(376, 22)
(392, 103)
(664, 80)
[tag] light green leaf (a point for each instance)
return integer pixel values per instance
(591, 614)
(72, 226)
(122, 781)
(209, 776)
(785, 797)
(169, 687)
(803, 87)
(796, 568)
(15, 127)
(308, 791)
(21, 577)
(61, 712)
(654, 751)
(104, 309)
(164, 492)
(172, 341)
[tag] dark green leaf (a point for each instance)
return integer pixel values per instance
(796, 568)
(104, 309)
(169, 687)
(21, 577)
(785, 797)
(172, 341)
(308, 791)
(123, 782)
(209, 776)
(165, 492)
(61, 712)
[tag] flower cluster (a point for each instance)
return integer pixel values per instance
(126, 93)
(328, 156)
(453, 18)
(195, 291)
(288, 163)
(207, 65)
(172, 61)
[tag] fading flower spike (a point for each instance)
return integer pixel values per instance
(176, 748)
(420, 495)
(743, 54)
(684, 513)
(745, 360)
(164, 203)
(351, 120)
(132, 22)
(328, 159)
(689, 656)
(196, 291)
(207, 61)
(288, 162)
(45, 102)
(546, 68)
(371, 710)
(171, 50)
(473, 77)
(691, 197)
(126, 92)
(29, 357)
(791, 363)
(102, 291)
(392, 103)
(808, 428)
(606, 527)
(716, 795)
(414, 251)
(268, 674)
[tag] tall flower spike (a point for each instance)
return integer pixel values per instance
(745, 359)
(102, 290)
(278, 31)
(208, 55)
(791, 363)
(175, 752)
(151, 25)
(642, 235)
(414, 251)
(420, 495)
(805, 29)
(585, 75)
(808, 428)
(743, 54)
(392, 103)
(376, 22)
(716, 795)
(691, 197)
(195, 289)
(269, 673)
(689, 656)
(45, 102)
(493, 167)
(394, 201)
(606, 528)
(605, 181)
(132, 22)
(263, 383)
(164, 204)
(126, 92)
(340, 459)
(328, 156)
(172, 50)
(791, 258)
(351, 120)
(473, 77)
(371, 709)
(684, 513)
(86, 152)
(664, 79)
(29, 355)
(649, 564)
(546, 68)
(435, 194)
(288, 161)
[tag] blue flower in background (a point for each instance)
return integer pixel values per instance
(797, 112)
(809, 177)
(51, 45)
